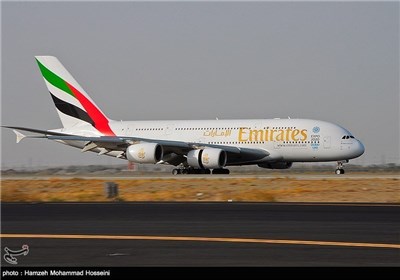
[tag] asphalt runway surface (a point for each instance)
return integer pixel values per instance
(202, 234)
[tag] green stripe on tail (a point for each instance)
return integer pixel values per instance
(54, 79)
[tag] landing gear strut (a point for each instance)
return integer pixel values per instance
(339, 169)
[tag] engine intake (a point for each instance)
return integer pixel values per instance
(207, 158)
(276, 165)
(145, 153)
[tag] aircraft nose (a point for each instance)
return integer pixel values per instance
(359, 148)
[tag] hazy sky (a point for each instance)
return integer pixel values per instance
(334, 61)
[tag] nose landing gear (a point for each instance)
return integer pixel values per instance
(339, 169)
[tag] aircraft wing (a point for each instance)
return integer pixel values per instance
(236, 155)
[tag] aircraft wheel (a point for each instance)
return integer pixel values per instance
(339, 171)
(220, 171)
(225, 171)
(175, 171)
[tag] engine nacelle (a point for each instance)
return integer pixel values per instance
(276, 165)
(144, 153)
(207, 158)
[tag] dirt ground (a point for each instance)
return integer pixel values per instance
(378, 190)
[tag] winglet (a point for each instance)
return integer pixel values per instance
(20, 136)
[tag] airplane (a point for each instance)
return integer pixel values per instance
(192, 146)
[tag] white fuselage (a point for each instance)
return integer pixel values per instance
(195, 147)
(288, 140)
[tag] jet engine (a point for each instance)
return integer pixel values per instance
(207, 158)
(276, 165)
(145, 153)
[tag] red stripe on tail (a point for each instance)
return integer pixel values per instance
(100, 121)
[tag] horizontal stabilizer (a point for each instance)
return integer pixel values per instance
(19, 135)
(39, 131)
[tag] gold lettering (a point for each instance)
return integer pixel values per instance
(242, 135)
(281, 135)
(216, 133)
(256, 135)
(294, 134)
(266, 135)
(271, 136)
(304, 135)
(287, 134)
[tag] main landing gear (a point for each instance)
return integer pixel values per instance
(178, 171)
(339, 169)
(220, 171)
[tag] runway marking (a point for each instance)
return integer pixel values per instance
(204, 239)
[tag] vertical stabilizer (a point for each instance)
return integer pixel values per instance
(74, 106)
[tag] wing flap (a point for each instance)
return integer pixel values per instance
(89, 146)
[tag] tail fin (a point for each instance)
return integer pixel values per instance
(74, 106)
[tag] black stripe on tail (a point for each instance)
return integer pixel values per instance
(71, 110)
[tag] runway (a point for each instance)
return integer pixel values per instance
(202, 234)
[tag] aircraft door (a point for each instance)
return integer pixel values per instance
(127, 131)
(169, 129)
(327, 142)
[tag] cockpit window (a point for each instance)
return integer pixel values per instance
(347, 137)
(351, 136)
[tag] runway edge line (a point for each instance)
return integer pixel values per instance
(203, 239)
